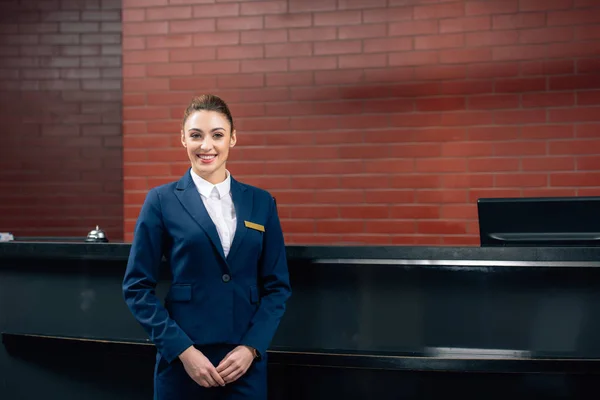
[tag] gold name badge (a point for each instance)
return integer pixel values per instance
(252, 225)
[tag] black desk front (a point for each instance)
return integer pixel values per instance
(363, 322)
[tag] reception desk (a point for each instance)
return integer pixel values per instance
(362, 323)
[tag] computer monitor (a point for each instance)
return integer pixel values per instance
(539, 221)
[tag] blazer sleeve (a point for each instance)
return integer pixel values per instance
(276, 289)
(141, 276)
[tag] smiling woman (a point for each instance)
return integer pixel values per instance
(208, 133)
(230, 280)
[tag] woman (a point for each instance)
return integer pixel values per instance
(223, 242)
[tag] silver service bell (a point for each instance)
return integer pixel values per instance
(96, 235)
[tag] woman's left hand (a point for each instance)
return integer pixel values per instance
(235, 364)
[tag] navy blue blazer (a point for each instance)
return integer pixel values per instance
(213, 299)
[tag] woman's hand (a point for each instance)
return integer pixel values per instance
(200, 369)
(235, 364)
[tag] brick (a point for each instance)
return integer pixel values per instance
(360, 61)
(386, 45)
(216, 10)
(459, 56)
(413, 58)
(542, 5)
(145, 28)
(546, 132)
(339, 77)
(588, 65)
(387, 14)
(442, 72)
(133, 15)
(587, 32)
(439, 41)
(519, 52)
(144, 3)
(168, 13)
(467, 118)
(493, 102)
(241, 23)
(572, 17)
(584, 49)
(587, 130)
(440, 227)
(493, 38)
(574, 147)
(267, 36)
(288, 50)
(102, 38)
(134, 43)
(548, 99)
(312, 34)
(373, 106)
(142, 85)
(169, 41)
(436, 11)
(79, 27)
(591, 97)
(576, 179)
(272, 65)
(546, 35)
(491, 7)
(521, 180)
(240, 52)
(468, 24)
(408, 151)
(413, 28)
(441, 104)
(495, 70)
(192, 26)
(550, 67)
(101, 15)
(520, 85)
(65, 39)
(495, 164)
(287, 21)
(312, 63)
(579, 114)
(217, 67)
(519, 117)
(467, 181)
(338, 47)
(337, 18)
(362, 31)
(290, 79)
(519, 21)
(263, 7)
(146, 57)
(588, 163)
(442, 165)
(547, 164)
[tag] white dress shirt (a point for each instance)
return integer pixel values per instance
(219, 204)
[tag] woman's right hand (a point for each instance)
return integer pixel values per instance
(200, 369)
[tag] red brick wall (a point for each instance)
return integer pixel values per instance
(60, 117)
(372, 121)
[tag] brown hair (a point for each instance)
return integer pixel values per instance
(208, 102)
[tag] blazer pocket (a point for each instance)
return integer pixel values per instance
(180, 292)
(254, 295)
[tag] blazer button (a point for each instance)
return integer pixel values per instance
(226, 278)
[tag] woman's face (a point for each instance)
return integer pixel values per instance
(207, 138)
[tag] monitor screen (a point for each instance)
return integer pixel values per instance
(547, 221)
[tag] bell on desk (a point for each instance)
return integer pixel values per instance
(97, 235)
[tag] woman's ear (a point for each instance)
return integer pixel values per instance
(183, 139)
(233, 140)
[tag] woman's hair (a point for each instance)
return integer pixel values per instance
(208, 102)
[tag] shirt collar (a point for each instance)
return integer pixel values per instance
(205, 187)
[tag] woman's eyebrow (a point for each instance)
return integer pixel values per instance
(200, 130)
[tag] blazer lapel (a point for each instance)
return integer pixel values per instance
(190, 199)
(242, 201)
